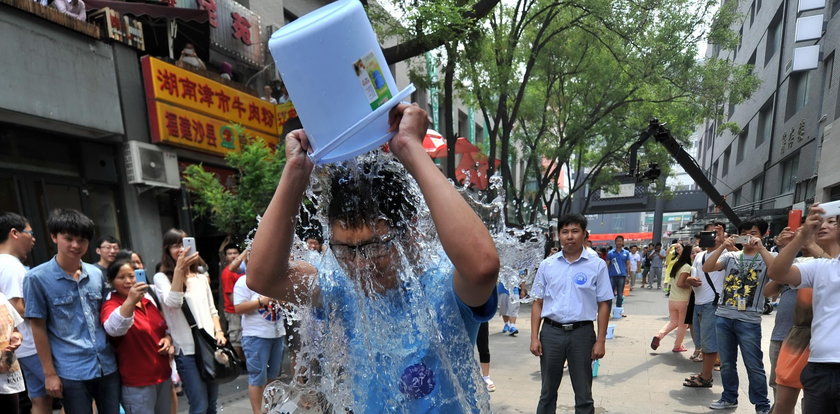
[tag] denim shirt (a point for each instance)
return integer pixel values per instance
(71, 308)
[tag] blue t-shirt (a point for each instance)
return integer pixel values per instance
(618, 262)
(409, 350)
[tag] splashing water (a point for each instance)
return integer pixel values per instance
(384, 333)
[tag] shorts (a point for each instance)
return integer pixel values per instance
(234, 323)
(506, 307)
(790, 365)
(704, 318)
(263, 357)
(33, 376)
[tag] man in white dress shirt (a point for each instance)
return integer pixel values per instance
(571, 289)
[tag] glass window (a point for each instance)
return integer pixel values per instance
(736, 197)
(742, 145)
(790, 168)
(797, 92)
(725, 168)
(102, 209)
(757, 189)
(714, 172)
(774, 37)
(9, 201)
(765, 123)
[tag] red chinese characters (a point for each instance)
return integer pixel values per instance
(188, 89)
(168, 81)
(206, 93)
(171, 124)
(210, 6)
(238, 106)
(241, 28)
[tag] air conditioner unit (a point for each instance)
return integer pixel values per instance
(149, 165)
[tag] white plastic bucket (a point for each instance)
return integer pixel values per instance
(610, 331)
(332, 65)
(616, 314)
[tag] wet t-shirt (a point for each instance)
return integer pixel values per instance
(409, 350)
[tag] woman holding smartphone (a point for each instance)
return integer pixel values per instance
(138, 332)
(179, 281)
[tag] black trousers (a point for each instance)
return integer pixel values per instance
(821, 388)
(559, 345)
(483, 343)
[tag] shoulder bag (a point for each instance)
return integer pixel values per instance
(216, 363)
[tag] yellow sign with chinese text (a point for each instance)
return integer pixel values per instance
(171, 84)
(185, 128)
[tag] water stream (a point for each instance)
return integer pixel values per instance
(385, 334)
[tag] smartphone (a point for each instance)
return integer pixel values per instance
(794, 219)
(707, 239)
(140, 275)
(742, 240)
(189, 245)
(831, 208)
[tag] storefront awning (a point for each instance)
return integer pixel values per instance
(164, 26)
(150, 10)
(627, 236)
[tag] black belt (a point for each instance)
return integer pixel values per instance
(567, 326)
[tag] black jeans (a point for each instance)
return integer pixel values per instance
(821, 386)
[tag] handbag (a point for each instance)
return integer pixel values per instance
(709, 281)
(216, 363)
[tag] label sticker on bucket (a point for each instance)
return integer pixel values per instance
(372, 80)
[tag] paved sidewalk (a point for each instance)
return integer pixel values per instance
(632, 378)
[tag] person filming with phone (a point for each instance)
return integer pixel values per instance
(182, 278)
(739, 311)
(136, 328)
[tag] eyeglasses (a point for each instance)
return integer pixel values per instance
(372, 249)
(29, 232)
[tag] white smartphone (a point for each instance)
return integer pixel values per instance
(742, 240)
(832, 208)
(189, 245)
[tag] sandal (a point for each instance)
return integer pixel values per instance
(697, 356)
(696, 381)
(680, 349)
(654, 343)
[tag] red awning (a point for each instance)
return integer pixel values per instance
(627, 236)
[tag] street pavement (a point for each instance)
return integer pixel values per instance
(632, 378)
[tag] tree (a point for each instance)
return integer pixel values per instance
(573, 83)
(233, 209)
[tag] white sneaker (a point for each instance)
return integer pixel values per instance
(490, 385)
(722, 405)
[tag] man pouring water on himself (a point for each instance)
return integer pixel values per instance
(399, 321)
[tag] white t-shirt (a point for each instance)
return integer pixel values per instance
(704, 294)
(12, 272)
(11, 381)
(265, 322)
(635, 258)
(824, 276)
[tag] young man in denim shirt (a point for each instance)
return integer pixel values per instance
(63, 300)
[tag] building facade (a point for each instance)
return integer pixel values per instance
(785, 143)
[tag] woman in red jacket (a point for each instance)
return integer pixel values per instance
(141, 341)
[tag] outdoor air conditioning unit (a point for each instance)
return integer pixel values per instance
(149, 165)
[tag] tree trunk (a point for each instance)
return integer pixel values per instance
(448, 122)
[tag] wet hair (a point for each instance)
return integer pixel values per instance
(231, 246)
(114, 268)
(9, 221)
(170, 238)
(125, 254)
(683, 259)
(751, 222)
(362, 193)
(568, 219)
(70, 221)
(107, 238)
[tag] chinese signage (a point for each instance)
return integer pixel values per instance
(670, 218)
(234, 28)
(124, 29)
(793, 137)
(189, 110)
